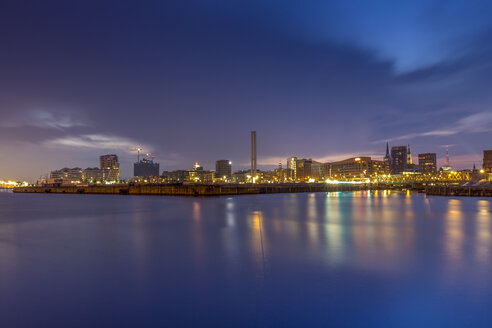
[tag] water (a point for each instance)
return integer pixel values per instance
(299, 260)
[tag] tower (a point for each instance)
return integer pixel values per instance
(253, 154)
(387, 157)
(409, 156)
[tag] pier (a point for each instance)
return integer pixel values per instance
(197, 189)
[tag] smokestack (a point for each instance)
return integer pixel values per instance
(253, 153)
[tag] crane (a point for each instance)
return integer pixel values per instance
(138, 150)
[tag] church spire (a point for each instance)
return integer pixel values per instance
(387, 157)
(409, 155)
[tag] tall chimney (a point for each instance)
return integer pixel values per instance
(253, 154)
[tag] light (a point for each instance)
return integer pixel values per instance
(357, 159)
(482, 171)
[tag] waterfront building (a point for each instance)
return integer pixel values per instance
(197, 175)
(309, 170)
(146, 168)
(70, 174)
(93, 174)
(282, 175)
(428, 162)
(399, 159)
(110, 166)
(291, 164)
(356, 168)
(487, 161)
(223, 169)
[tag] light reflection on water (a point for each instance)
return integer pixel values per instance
(382, 252)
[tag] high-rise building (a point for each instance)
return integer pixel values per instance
(110, 166)
(146, 168)
(398, 159)
(428, 162)
(487, 161)
(291, 165)
(223, 169)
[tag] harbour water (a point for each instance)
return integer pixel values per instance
(342, 259)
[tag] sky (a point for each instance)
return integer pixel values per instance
(188, 80)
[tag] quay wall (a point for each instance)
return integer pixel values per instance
(472, 191)
(195, 189)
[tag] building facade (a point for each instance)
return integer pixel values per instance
(398, 159)
(146, 168)
(68, 174)
(93, 174)
(291, 165)
(428, 162)
(487, 161)
(356, 168)
(110, 166)
(308, 170)
(223, 169)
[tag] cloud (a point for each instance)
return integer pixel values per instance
(475, 123)
(94, 141)
(44, 119)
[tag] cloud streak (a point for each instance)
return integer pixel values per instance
(94, 141)
(44, 119)
(476, 123)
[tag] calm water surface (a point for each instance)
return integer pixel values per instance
(287, 260)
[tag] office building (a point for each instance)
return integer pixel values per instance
(68, 174)
(309, 170)
(146, 168)
(110, 166)
(398, 159)
(487, 161)
(291, 165)
(223, 169)
(356, 168)
(428, 162)
(93, 174)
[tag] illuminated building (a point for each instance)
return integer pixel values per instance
(196, 175)
(223, 169)
(428, 162)
(398, 159)
(409, 156)
(356, 168)
(67, 174)
(146, 168)
(487, 161)
(93, 174)
(308, 169)
(291, 165)
(282, 175)
(110, 166)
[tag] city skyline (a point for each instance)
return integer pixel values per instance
(189, 80)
